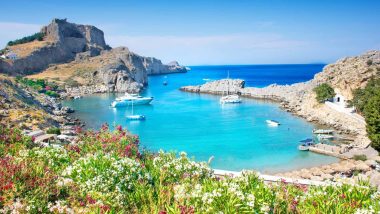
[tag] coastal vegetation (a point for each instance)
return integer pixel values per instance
(367, 102)
(37, 36)
(324, 92)
(54, 130)
(42, 86)
(107, 172)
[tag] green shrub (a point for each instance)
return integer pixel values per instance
(360, 157)
(324, 92)
(37, 36)
(369, 62)
(54, 130)
(52, 93)
(367, 102)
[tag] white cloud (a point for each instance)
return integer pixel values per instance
(223, 49)
(12, 30)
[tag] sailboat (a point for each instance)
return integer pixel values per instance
(233, 98)
(135, 116)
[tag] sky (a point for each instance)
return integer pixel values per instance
(213, 32)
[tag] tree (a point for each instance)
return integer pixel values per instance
(367, 102)
(324, 92)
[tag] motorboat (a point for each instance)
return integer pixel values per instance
(325, 136)
(136, 117)
(305, 144)
(77, 97)
(272, 123)
(323, 131)
(230, 99)
(128, 99)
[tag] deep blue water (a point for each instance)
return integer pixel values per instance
(236, 135)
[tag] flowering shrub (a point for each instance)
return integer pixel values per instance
(107, 173)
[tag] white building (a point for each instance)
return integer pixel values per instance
(340, 103)
(11, 56)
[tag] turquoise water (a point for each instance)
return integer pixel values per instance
(236, 135)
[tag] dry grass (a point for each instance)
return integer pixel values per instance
(23, 50)
(63, 72)
(74, 70)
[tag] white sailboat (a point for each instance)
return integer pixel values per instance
(233, 98)
(135, 116)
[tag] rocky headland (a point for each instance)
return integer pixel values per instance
(78, 58)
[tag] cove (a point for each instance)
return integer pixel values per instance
(235, 135)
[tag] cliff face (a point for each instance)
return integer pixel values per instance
(79, 54)
(350, 73)
(66, 40)
(115, 70)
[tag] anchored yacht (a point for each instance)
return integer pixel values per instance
(128, 99)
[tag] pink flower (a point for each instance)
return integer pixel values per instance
(119, 128)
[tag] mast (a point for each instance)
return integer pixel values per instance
(228, 82)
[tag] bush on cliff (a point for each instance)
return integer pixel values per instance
(367, 102)
(54, 130)
(37, 36)
(107, 173)
(324, 92)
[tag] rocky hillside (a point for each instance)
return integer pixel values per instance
(77, 55)
(24, 108)
(350, 73)
(62, 42)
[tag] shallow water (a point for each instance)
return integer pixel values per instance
(236, 135)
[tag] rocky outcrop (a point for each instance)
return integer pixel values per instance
(80, 54)
(350, 73)
(223, 86)
(66, 40)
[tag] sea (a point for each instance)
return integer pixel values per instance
(234, 136)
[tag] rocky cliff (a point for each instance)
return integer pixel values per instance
(350, 73)
(65, 41)
(77, 55)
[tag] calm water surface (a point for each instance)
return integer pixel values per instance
(236, 135)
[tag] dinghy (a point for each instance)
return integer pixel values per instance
(272, 123)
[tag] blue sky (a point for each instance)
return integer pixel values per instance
(200, 32)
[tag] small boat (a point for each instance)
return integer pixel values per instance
(324, 136)
(77, 97)
(229, 99)
(165, 83)
(135, 116)
(305, 144)
(272, 123)
(129, 99)
(188, 69)
(323, 131)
